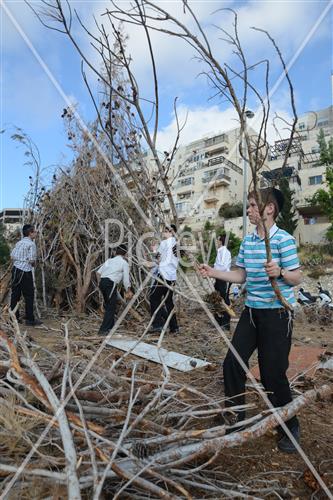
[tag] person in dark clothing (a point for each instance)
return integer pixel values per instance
(265, 324)
(223, 263)
(162, 289)
(112, 272)
(24, 256)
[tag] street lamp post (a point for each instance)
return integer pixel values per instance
(248, 114)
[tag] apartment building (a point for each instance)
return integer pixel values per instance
(304, 171)
(206, 174)
(11, 218)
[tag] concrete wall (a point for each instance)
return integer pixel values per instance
(311, 233)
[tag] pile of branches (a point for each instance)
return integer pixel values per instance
(217, 305)
(79, 218)
(76, 421)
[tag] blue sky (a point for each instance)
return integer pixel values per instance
(30, 100)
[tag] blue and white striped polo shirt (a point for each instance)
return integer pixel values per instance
(252, 257)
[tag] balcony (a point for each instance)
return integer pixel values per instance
(307, 210)
(210, 198)
(218, 180)
(216, 140)
(186, 195)
(312, 158)
(223, 160)
(221, 181)
(218, 149)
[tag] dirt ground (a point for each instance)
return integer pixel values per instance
(258, 462)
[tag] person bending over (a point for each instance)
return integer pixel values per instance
(112, 272)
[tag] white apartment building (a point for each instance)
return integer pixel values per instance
(304, 171)
(12, 219)
(206, 174)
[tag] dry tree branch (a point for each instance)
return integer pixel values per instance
(67, 439)
(207, 447)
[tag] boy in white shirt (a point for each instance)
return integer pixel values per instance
(167, 272)
(112, 272)
(223, 263)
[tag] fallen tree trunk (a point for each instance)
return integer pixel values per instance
(206, 448)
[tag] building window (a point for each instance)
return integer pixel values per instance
(301, 126)
(216, 139)
(181, 207)
(186, 182)
(322, 123)
(216, 174)
(315, 149)
(315, 179)
(310, 220)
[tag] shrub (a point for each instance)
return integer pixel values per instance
(233, 244)
(317, 272)
(229, 211)
(4, 248)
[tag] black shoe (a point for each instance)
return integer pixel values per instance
(103, 332)
(35, 322)
(285, 444)
(155, 329)
(175, 332)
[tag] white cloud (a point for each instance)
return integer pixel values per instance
(288, 23)
(204, 121)
(200, 121)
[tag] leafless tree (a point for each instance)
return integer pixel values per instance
(124, 101)
(109, 155)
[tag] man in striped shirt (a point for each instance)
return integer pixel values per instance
(265, 324)
(24, 256)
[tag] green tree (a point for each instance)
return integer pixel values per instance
(229, 211)
(4, 248)
(324, 199)
(330, 150)
(209, 226)
(287, 218)
(233, 243)
(323, 149)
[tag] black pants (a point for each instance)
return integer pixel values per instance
(109, 291)
(223, 288)
(269, 331)
(22, 284)
(158, 292)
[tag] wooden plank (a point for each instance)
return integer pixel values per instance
(172, 359)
